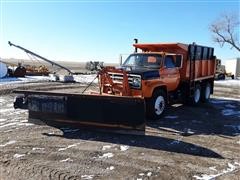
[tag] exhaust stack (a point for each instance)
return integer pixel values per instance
(136, 41)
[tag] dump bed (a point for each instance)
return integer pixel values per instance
(198, 62)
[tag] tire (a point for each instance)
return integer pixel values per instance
(205, 96)
(196, 96)
(156, 105)
(221, 77)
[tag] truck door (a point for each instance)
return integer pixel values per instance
(169, 74)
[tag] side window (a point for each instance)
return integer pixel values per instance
(168, 62)
(178, 62)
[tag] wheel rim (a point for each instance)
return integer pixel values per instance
(159, 105)
(207, 92)
(197, 95)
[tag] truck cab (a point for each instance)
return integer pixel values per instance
(155, 69)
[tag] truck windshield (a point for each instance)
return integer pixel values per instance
(144, 60)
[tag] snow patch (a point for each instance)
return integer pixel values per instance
(6, 125)
(87, 176)
(36, 148)
(124, 148)
(149, 174)
(6, 110)
(111, 168)
(68, 159)
(213, 168)
(230, 112)
(85, 78)
(70, 146)
(171, 117)
(2, 120)
(25, 79)
(141, 174)
(177, 141)
(230, 168)
(230, 106)
(229, 82)
(106, 147)
(106, 155)
(18, 155)
(2, 100)
(218, 101)
(7, 143)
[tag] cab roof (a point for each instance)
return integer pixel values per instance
(162, 46)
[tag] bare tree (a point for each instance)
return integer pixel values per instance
(226, 30)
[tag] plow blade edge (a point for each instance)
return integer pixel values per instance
(91, 111)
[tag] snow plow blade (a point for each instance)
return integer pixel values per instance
(115, 113)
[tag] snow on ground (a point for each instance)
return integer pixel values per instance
(106, 155)
(68, 159)
(70, 146)
(18, 155)
(37, 148)
(12, 122)
(14, 80)
(230, 112)
(124, 148)
(87, 176)
(86, 78)
(106, 147)
(111, 168)
(27, 79)
(7, 143)
(230, 168)
(230, 82)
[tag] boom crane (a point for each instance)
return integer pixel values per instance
(45, 59)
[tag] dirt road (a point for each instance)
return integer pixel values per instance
(188, 143)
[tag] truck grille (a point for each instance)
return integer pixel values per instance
(118, 78)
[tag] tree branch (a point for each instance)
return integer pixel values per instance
(223, 31)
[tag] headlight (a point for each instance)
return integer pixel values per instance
(136, 82)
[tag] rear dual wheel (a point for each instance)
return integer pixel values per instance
(206, 93)
(194, 100)
(201, 93)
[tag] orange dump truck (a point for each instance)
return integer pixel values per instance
(142, 87)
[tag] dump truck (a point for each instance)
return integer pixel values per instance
(138, 90)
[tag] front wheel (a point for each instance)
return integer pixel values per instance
(156, 105)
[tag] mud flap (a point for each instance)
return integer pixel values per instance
(91, 111)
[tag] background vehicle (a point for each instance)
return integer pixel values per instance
(221, 72)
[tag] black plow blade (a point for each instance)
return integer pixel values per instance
(114, 113)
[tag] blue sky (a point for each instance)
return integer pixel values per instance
(101, 30)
